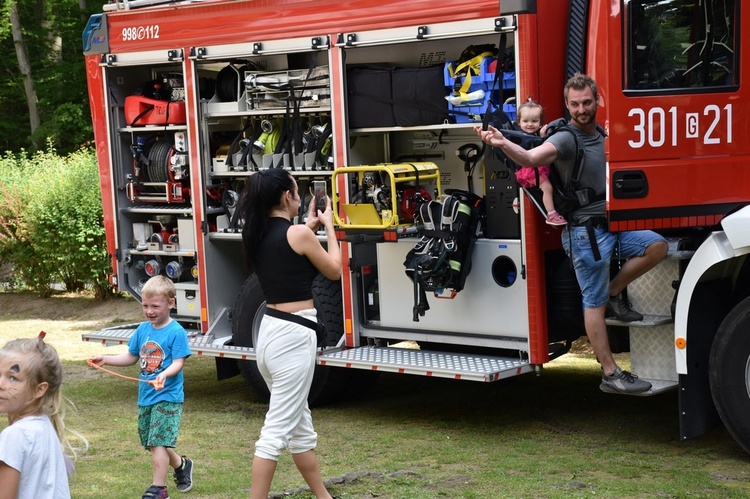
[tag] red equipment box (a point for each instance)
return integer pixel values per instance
(141, 111)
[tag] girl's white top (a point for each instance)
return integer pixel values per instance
(31, 446)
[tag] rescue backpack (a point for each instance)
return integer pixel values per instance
(441, 259)
(570, 196)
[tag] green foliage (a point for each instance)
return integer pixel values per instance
(51, 226)
(52, 34)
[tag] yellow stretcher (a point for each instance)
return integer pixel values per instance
(363, 214)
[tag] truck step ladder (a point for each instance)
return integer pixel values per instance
(427, 363)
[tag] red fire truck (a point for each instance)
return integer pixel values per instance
(377, 100)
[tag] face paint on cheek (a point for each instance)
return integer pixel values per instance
(15, 368)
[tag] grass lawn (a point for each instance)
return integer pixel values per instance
(548, 436)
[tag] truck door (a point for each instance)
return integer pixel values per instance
(673, 104)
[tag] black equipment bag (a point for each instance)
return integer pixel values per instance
(419, 96)
(370, 102)
(570, 196)
(441, 259)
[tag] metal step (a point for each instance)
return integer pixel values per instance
(427, 363)
(112, 336)
(648, 321)
(657, 386)
(398, 360)
(200, 344)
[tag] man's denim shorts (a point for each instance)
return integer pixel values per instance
(592, 275)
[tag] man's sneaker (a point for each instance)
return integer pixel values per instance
(554, 218)
(183, 476)
(619, 307)
(623, 382)
(155, 492)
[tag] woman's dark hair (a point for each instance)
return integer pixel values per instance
(262, 194)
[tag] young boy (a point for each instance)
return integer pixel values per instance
(161, 346)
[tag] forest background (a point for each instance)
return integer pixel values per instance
(51, 227)
(43, 91)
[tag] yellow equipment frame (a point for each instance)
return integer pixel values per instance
(398, 173)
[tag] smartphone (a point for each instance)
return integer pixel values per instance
(319, 188)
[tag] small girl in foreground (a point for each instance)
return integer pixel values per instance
(32, 464)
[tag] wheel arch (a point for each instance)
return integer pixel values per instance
(721, 258)
(713, 291)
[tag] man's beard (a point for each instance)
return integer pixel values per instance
(590, 118)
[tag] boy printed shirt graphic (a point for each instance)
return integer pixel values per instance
(156, 349)
(152, 357)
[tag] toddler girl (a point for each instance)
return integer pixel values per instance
(530, 116)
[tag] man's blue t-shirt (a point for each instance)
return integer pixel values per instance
(157, 349)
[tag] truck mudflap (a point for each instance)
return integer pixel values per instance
(427, 363)
(199, 343)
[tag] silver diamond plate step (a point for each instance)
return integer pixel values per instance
(648, 321)
(657, 386)
(200, 344)
(427, 363)
(397, 360)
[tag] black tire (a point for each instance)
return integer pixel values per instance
(330, 384)
(249, 305)
(729, 372)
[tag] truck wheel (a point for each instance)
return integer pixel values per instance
(249, 308)
(330, 384)
(729, 372)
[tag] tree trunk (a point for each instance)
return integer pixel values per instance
(25, 67)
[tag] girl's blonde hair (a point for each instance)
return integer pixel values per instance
(42, 364)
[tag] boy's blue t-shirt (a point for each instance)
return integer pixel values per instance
(157, 349)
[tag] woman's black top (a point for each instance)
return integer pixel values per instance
(284, 275)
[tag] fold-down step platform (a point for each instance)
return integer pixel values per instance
(398, 360)
(200, 344)
(427, 363)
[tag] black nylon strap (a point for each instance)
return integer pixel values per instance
(592, 238)
(286, 316)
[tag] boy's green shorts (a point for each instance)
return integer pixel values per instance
(159, 424)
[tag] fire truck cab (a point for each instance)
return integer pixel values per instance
(378, 100)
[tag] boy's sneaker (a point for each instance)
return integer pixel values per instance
(155, 492)
(554, 218)
(183, 476)
(619, 307)
(623, 382)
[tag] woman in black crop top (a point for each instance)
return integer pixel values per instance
(286, 258)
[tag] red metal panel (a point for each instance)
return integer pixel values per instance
(536, 287)
(99, 120)
(196, 184)
(688, 145)
(216, 23)
(339, 149)
(541, 60)
(542, 41)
